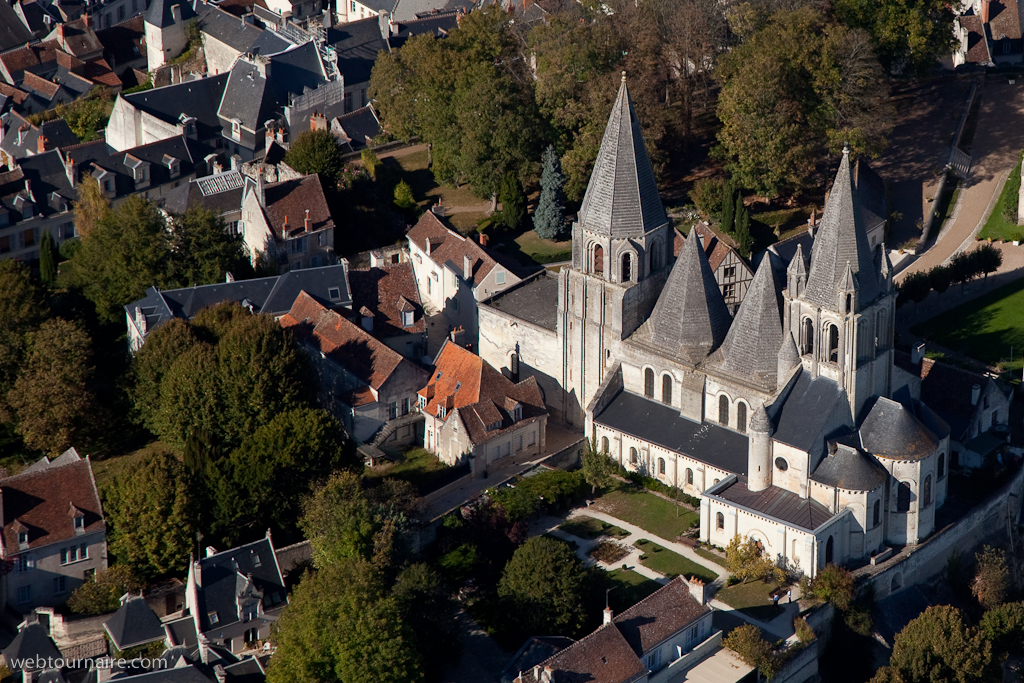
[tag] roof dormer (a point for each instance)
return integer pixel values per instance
(77, 515)
(23, 534)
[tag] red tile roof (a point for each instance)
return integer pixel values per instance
(660, 615)
(15, 94)
(604, 656)
(42, 499)
(19, 59)
(1004, 20)
(385, 292)
(289, 201)
(77, 37)
(100, 72)
(40, 85)
(977, 45)
(448, 245)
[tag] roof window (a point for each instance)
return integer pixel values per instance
(334, 293)
(214, 618)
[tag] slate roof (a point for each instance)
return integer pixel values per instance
(32, 642)
(534, 651)
(56, 131)
(223, 572)
(248, 670)
(159, 12)
(789, 356)
(91, 156)
(13, 32)
(776, 502)
(690, 317)
(534, 300)
(385, 291)
(622, 197)
(353, 348)
(805, 407)
(851, 469)
(77, 37)
(604, 656)
(49, 184)
(41, 499)
(220, 193)
(841, 239)
(183, 674)
(124, 42)
(203, 96)
(289, 200)
(359, 127)
(439, 24)
(662, 425)
(134, 623)
(229, 29)
(947, 390)
(661, 614)
(751, 348)
(244, 96)
(357, 44)
(892, 431)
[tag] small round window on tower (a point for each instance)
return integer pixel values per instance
(781, 464)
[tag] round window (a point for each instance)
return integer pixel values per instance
(781, 464)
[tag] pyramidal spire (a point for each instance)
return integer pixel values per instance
(841, 238)
(622, 198)
(690, 318)
(751, 349)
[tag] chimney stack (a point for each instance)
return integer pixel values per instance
(69, 169)
(984, 11)
(917, 354)
(305, 223)
(87, 20)
(284, 228)
(467, 267)
(428, 246)
(975, 394)
(41, 143)
(608, 615)
(483, 240)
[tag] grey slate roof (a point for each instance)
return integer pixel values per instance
(779, 503)
(357, 44)
(789, 356)
(31, 642)
(690, 317)
(841, 239)
(850, 469)
(359, 126)
(229, 29)
(244, 96)
(202, 95)
(805, 409)
(134, 623)
(663, 425)
(13, 33)
(56, 131)
(159, 12)
(891, 431)
(534, 300)
(622, 198)
(220, 193)
(223, 573)
(751, 348)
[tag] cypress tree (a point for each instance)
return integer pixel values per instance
(48, 259)
(741, 229)
(728, 207)
(513, 203)
(549, 216)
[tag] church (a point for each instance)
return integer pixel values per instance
(788, 419)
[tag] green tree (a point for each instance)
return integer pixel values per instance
(513, 202)
(316, 151)
(92, 206)
(964, 269)
(746, 641)
(834, 584)
(48, 259)
(102, 594)
(988, 258)
(991, 578)
(428, 610)
(940, 277)
(540, 588)
(51, 397)
(728, 213)
(152, 514)
(597, 466)
(202, 249)
(549, 216)
(370, 162)
(707, 195)
(915, 287)
(340, 626)
(556, 489)
(189, 398)
(1003, 626)
(908, 36)
(939, 646)
(125, 253)
(741, 229)
(403, 196)
(164, 345)
(21, 311)
(747, 561)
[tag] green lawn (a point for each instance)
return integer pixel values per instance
(752, 598)
(708, 555)
(985, 328)
(421, 468)
(945, 204)
(590, 528)
(544, 251)
(629, 588)
(997, 227)
(671, 564)
(648, 511)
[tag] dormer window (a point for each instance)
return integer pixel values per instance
(236, 129)
(440, 411)
(422, 401)
(79, 523)
(407, 319)
(23, 539)
(256, 562)
(214, 618)
(517, 413)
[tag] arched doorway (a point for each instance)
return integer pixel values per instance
(829, 550)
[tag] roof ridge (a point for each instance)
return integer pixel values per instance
(755, 335)
(50, 467)
(678, 579)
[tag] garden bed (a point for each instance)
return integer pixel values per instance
(671, 564)
(608, 552)
(589, 528)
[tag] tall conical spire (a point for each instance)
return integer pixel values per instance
(751, 349)
(622, 198)
(841, 238)
(690, 318)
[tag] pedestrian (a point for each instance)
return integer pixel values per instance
(789, 595)
(775, 599)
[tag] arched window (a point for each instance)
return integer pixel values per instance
(741, 417)
(719, 521)
(604, 444)
(829, 550)
(666, 389)
(832, 336)
(942, 465)
(649, 383)
(655, 255)
(807, 337)
(882, 330)
(627, 268)
(689, 476)
(927, 491)
(723, 409)
(863, 345)
(661, 465)
(598, 259)
(903, 497)
(633, 455)
(876, 517)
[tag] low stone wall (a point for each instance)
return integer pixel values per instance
(567, 458)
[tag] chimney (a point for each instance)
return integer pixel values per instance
(456, 335)
(696, 587)
(305, 222)
(176, 13)
(69, 169)
(428, 246)
(483, 240)
(284, 228)
(813, 219)
(317, 121)
(376, 259)
(21, 133)
(608, 615)
(229, 277)
(467, 267)
(210, 551)
(236, 161)
(87, 20)
(917, 354)
(219, 673)
(984, 11)
(548, 675)
(261, 196)
(41, 143)
(975, 394)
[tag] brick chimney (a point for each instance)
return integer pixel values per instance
(87, 20)
(41, 143)
(317, 121)
(69, 169)
(305, 223)
(984, 11)
(467, 267)
(284, 228)
(483, 240)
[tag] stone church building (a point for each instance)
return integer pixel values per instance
(781, 418)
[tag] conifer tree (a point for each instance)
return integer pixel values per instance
(728, 207)
(48, 259)
(741, 228)
(513, 203)
(549, 217)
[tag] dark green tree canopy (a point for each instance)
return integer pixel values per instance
(939, 646)
(541, 585)
(908, 36)
(549, 216)
(316, 151)
(203, 251)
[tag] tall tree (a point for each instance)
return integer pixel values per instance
(316, 151)
(51, 397)
(747, 642)
(92, 206)
(48, 259)
(513, 202)
(21, 311)
(992, 578)
(202, 249)
(728, 207)
(429, 611)
(741, 228)
(908, 36)
(939, 646)
(549, 216)
(102, 595)
(540, 588)
(150, 365)
(597, 465)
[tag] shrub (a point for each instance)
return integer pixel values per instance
(706, 195)
(835, 584)
(608, 552)
(403, 196)
(370, 162)
(803, 630)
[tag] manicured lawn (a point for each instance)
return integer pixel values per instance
(629, 588)
(946, 203)
(648, 511)
(590, 528)
(421, 468)
(708, 555)
(984, 328)
(544, 251)
(426, 190)
(752, 598)
(671, 564)
(997, 227)
(466, 221)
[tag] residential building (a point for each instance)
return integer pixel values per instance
(35, 198)
(269, 295)
(134, 624)
(54, 534)
(364, 383)
(226, 36)
(13, 33)
(31, 651)
(475, 413)
(288, 223)
(989, 33)
(220, 193)
(23, 139)
(165, 30)
(386, 303)
(357, 129)
(298, 12)
(234, 596)
(453, 272)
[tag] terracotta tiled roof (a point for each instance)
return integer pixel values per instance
(1004, 20)
(602, 657)
(19, 59)
(69, 62)
(42, 499)
(977, 45)
(350, 345)
(40, 85)
(14, 93)
(448, 245)
(290, 200)
(77, 37)
(386, 292)
(659, 615)
(100, 72)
